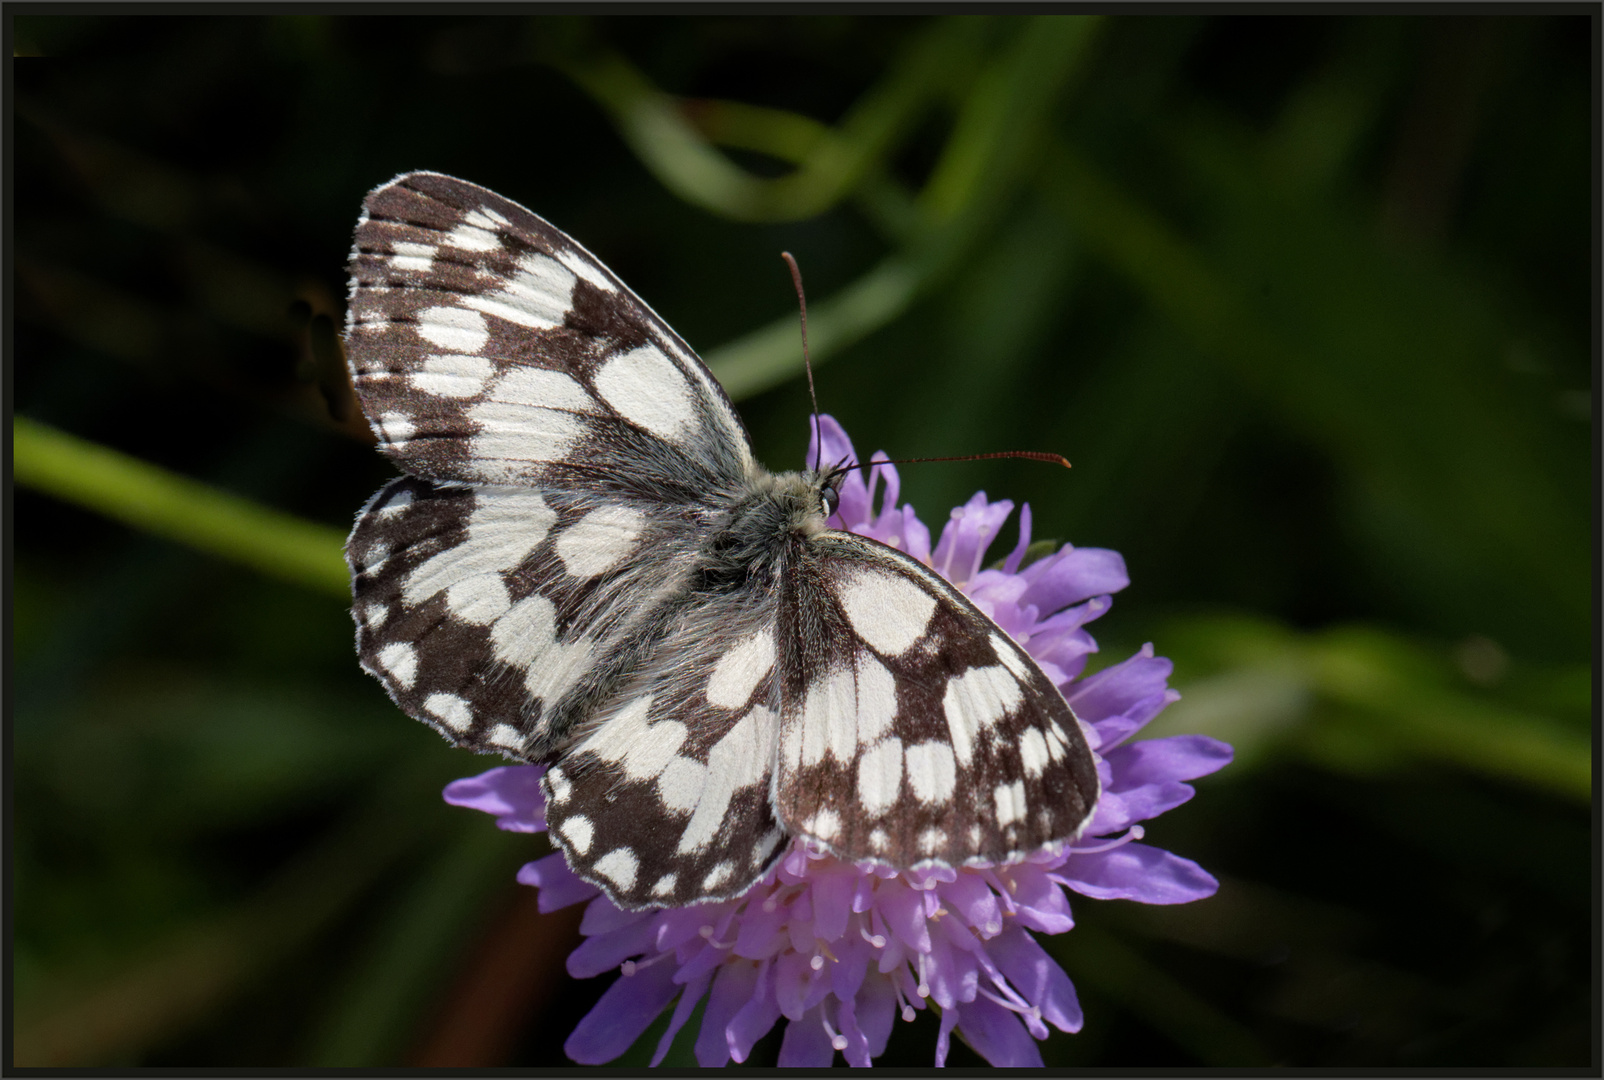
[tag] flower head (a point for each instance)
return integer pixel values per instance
(843, 950)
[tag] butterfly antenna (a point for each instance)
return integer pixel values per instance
(807, 362)
(1028, 455)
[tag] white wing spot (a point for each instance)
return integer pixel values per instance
(931, 841)
(824, 824)
(503, 528)
(1033, 752)
(976, 700)
(507, 736)
(396, 503)
(644, 387)
(879, 840)
(452, 376)
(395, 428)
(738, 760)
(888, 611)
(454, 329)
(487, 216)
(537, 296)
(880, 776)
(643, 750)
(717, 876)
(586, 269)
(578, 831)
(401, 661)
(665, 885)
(618, 866)
(600, 540)
(512, 435)
(469, 237)
(373, 615)
(414, 258)
(877, 698)
(681, 784)
(526, 638)
(829, 723)
(739, 671)
(481, 599)
(560, 789)
(542, 388)
(932, 772)
(374, 556)
(1011, 657)
(450, 710)
(1010, 800)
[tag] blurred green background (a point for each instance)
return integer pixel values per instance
(1307, 301)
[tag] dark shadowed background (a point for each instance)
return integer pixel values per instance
(1307, 301)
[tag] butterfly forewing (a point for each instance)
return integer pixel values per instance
(487, 346)
(913, 729)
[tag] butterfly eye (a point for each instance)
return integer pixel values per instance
(830, 499)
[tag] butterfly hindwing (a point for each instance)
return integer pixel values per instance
(487, 346)
(501, 615)
(913, 729)
(665, 797)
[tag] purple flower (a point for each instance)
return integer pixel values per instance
(841, 950)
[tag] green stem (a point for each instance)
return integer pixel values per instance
(151, 498)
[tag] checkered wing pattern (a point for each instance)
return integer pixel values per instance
(913, 730)
(488, 347)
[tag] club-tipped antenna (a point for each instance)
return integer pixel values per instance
(807, 362)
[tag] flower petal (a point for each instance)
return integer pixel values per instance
(1015, 557)
(511, 792)
(1075, 574)
(1116, 688)
(904, 913)
(682, 1012)
(828, 443)
(806, 1045)
(1179, 757)
(1138, 872)
(625, 1011)
(606, 951)
(831, 896)
(949, 1020)
(996, 1034)
(1037, 977)
(1039, 900)
(732, 988)
(875, 1009)
(754, 1019)
(559, 886)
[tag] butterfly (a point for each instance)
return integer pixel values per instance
(584, 566)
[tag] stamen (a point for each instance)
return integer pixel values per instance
(816, 963)
(924, 985)
(837, 1040)
(1005, 1003)
(906, 1010)
(630, 967)
(1020, 1005)
(875, 940)
(1135, 832)
(707, 935)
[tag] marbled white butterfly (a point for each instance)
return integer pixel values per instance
(585, 566)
